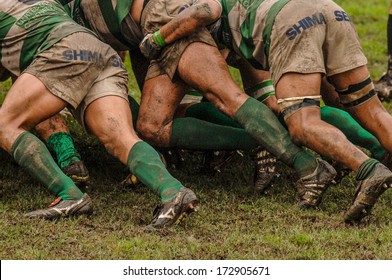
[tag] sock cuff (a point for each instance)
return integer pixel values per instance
(56, 135)
(133, 153)
(17, 142)
(366, 168)
(241, 113)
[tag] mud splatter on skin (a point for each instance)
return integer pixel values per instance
(202, 16)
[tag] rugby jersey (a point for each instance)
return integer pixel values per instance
(111, 20)
(246, 28)
(28, 27)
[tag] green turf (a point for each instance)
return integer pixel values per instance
(232, 222)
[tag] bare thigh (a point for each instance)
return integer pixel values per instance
(203, 67)
(27, 103)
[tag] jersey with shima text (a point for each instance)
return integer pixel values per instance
(29, 27)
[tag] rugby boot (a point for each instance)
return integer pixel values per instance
(265, 170)
(173, 211)
(368, 191)
(64, 208)
(78, 172)
(383, 87)
(312, 187)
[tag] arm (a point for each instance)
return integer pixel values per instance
(188, 21)
(200, 14)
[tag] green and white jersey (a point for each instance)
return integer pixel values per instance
(246, 27)
(111, 20)
(28, 27)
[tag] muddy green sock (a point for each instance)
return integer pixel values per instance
(206, 111)
(62, 145)
(260, 122)
(366, 168)
(194, 134)
(30, 153)
(353, 130)
(145, 164)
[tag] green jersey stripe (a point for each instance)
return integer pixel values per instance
(269, 23)
(109, 14)
(6, 22)
(122, 9)
(247, 46)
(40, 27)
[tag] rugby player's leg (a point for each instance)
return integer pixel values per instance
(203, 68)
(354, 132)
(306, 127)
(26, 105)
(370, 114)
(357, 95)
(110, 119)
(160, 99)
(55, 132)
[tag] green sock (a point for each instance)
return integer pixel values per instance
(206, 111)
(366, 168)
(194, 134)
(62, 145)
(145, 164)
(260, 122)
(353, 130)
(30, 153)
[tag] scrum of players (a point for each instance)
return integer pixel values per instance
(65, 54)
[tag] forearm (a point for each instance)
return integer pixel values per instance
(200, 14)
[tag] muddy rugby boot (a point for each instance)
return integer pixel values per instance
(173, 211)
(312, 187)
(64, 208)
(78, 172)
(368, 191)
(265, 171)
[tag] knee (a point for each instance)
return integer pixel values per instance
(154, 133)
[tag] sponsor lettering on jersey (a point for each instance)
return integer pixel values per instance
(83, 55)
(36, 15)
(304, 24)
(117, 62)
(91, 56)
(341, 16)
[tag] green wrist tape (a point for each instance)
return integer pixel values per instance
(158, 39)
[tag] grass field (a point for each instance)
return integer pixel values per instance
(232, 222)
